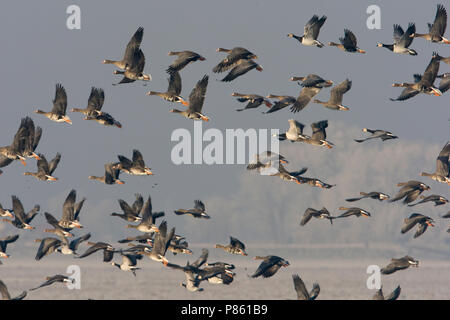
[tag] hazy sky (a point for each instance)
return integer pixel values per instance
(39, 51)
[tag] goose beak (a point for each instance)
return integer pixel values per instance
(205, 118)
(36, 156)
(361, 51)
(68, 120)
(119, 182)
(23, 162)
(184, 103)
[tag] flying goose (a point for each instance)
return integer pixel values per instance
(129, 262)
(199, 211)
(241, 67)
(45, 169)
(58, 112)
(161, 244)
(416, 218)
(436, 30)
(234, 247)
(269, 266)
(254, 100)
(314, 182)
(300, 288)
(108, 250)
(311, 32)
(173, 91)
(53, 279)
(4, 243)
(399, 264)
(129, 213)
(392, 296)
(15, 151)
(111, 175)
(312, 80)
(34, 136)
(5, 213)
(377, 133)
(5, 293)
(22, 220)
(410, 191)
(318, 214)
(260, 160)
(348, 43)
(304, 98)
(318, 137)
(437, 199)
(179, 246)
(353, 211)
(134, 43)
(136, 166)
(283, 102)
(183, 59)
(292, 176)
(196, 100)
(234, 55)
(444, 85)
(373, 195)
(135, 69)
(424, 85)
(336, 96)
(442, 173)
(402, 40)
(147, 223)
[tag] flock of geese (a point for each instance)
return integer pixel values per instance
(156, 238)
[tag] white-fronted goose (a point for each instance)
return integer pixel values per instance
(399, 264)
(129, 213)
(402, 40)
(111, 175)
(425, 85)
(135, 69)
(442, 173)
(134, 43)
(269, 266)
(313, 80)
(348, 43)
(161, 244)
(53, 279)
(179, 246)
(234, 55)
(57, 229)
(311, 32)
(318, 137)
(136, 166)
(15, 151)
(58, 112)
(45, 169)
(71, 212)
(437, 199)
(373, 195)
(254, 100)
(283, 102)
(392, 296)
(196, 100)
(318, 214)
(241, 67)
(353, 211)
(292, 176)
(294, 133)
(410, 191)
(304, 98)
(108, 250)
(336, 96)
(267, 157)
(147, 223)
(377, 133)
(5, 293)
(300, 288)
(4, 243)
(183, 59)
(129, 262)
(199, 211)
(436, 30)
(234, 247)
(314, 182)
(416, 218)
(5, 213)
(47, 246)
(173, 91)
(22, 220)
(34, 136)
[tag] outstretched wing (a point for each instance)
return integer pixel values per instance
(197, 96)
(442, 162)
(304, 98)
(337, 93)
(60, 101)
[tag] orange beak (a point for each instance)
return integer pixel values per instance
(205, 118)
(119, 182)
(184, 103)
(23, 162)
(361, 51)
(36, 156)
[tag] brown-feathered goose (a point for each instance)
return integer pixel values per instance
(161, 244)
(425, 85)
(318, 214)
(136, 166)
(336, 96)
(416, 218)
(147, 223)
(129, 214)
(53, 279)
(135, 69)
(5, 293)
(283, 102)
(5, 213)
(196, 100)
(318, 137)
(304, 98)
(444, 85)
(269, 266)
(436, 30)
(314, 182)
(4, 243)
(241, 67)
(183, 59)
(254, 100)
(300, 288)
(58, 112)
(134, 43)
(267, 157)
(108, 250)
(199, 211)
(71, 212)
(373, 195)
(311, 32)
(399, 264)
(234, 55)
(377, 133)
(437, 199)
(410, 191)
(34, 136)
(353, 211)
(348, 43)
(45, 169)
(129, 262)
(292, 176)
(234, 247)
(111, 175)
(22, 220)
(15, 151)
(402, 40)
(312, 80)
(392, 296)
(173, 91)
(442, 173)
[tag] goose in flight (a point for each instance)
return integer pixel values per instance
(183, 59)
(129, 213)
(348, 43)
(436, 30)
(318, 137)
(173, 91)
(129, 262)
(241, 67)
(233, 57)
(302, 292)
(62, 245)
(283, 102)
(409, 191)
(196, 100)
(312, 80)
(311, 32)
(22, 220)
(234, 247)
(376, 133)
(437, 199)
(373, 195)
(161, 244)
(402, 40)
(58, 112)
(336, 96)
(442, 173)
(45, 169)
(353, 211)
(416, 218)
(135, 69)
(269, 266)
(199, 211)
(108, 250)
(136, 166)
(254, 100)
(15, 151)
(147, 223)
(318, 214)
(4, 243)
(134, 43)
(54, 279)
(400, 264)
(111, 175)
